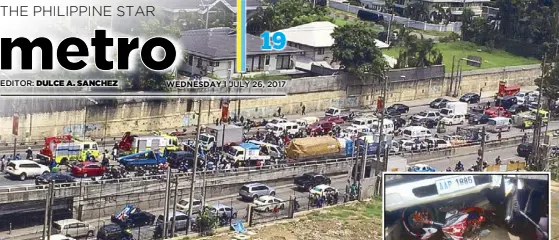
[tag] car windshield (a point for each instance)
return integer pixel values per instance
(520, 94)
(275, 121)
(56, 226)
(204, 138)
(407, 132)
(438, 100)
(263, 199)
(445, 111)
(317, 189)
(330, 111)
(183, 202)
(423, 114)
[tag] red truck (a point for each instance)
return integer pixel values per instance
(51, 142)
(505, 90)
(322, 124)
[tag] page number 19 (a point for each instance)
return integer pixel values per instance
(278, 40)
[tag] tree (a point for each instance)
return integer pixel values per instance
(417, 11)
(355, 48)
(549, 84)
(418, 52)
(285, 14)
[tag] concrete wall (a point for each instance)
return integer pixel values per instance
(315, 93)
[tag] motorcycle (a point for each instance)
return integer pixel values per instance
(458, 224)
(459, 168)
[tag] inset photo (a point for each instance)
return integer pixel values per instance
(462, 206)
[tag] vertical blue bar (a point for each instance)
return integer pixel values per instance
(243, 34)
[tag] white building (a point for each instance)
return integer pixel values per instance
(456, 7)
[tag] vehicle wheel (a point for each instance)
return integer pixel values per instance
(412, 228)
(45, 172)
(273, 194)
(266, 209)
(85, 175)
(90, 234)
(254, 196)
(281, 206)
(234, 216)
(309, 188)
(22, 177)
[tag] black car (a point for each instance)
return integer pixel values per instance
(390, 112)
(401, 108)
(46, 178)
(110, 232)
(439, 103)
(470, 98)
(131, 216)
(478, 119)
(310, 180)
(518, 108)
(524, 149)
(425, 122)
(399, 122)
(177, 158)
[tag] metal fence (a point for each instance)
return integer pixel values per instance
(451, 27)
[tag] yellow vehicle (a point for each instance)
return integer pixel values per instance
(75, 151)
(171, 142)
(527, 119)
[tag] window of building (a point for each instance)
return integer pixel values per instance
(214, 64)
(190, 58)
(283, 62)
(199, 62)
(320, 51)
(267, 60)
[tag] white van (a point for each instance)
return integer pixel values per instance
(272, 150)
(302, 123)
(499, 124)
(414, 132)
(387, 128)
(362, 122)
(276, 129)
(290, 127)
(354, 131)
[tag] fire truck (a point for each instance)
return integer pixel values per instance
(505, 90)
(46, 152)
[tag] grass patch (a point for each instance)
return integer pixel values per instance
(361, 210)
(491, 58)
(433, 33)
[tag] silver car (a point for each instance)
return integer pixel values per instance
(403, 191)
(254, 190)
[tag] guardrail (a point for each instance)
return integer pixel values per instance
(234, 173)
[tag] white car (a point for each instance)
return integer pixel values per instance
(453, 120)
(427, 114)
(73, 228)
(407, 145)
(438, 143)
(23, 169)
(414, 190)
(60, 237)
(183, 205)
(533, 96)
(322, 189)
(268, 203)
(274, 121)
(521, 97)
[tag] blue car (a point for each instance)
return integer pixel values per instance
(131, 216)
(421, 168)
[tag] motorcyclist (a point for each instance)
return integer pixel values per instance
(498, 160)
(459, 166)
(449, 169)
(29, 153)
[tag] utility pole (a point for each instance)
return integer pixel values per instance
(537, 125)
(481, 150)
(356, 165)
(166, 207)
(381, 126)
(364, 162)
(47, 208)
(193, 180)
(51, 202)
(452, 76)
(174, 225)
(389, 30)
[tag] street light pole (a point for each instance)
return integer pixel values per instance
(381, 125)
(193, 180)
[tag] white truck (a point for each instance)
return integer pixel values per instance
(454, 113)
(335, 112)
(246, 152)
(221, 135)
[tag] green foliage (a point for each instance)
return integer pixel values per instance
(206, 223)
(416, 52)
(418, 11)
(285, 14)
(550, 82)
(355, 48)
(453, 37)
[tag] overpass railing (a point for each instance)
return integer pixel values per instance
(509, 141)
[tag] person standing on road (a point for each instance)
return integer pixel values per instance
(29, 153)
(279, 111)
(2, 162)
(303, 109)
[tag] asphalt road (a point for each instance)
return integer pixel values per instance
(442, 165)
(146, 232)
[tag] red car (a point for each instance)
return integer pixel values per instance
(336, 120)
(88, 169)
(497, 112)
(322, 124)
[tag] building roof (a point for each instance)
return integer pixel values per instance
(317, 34)
(219, 44)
